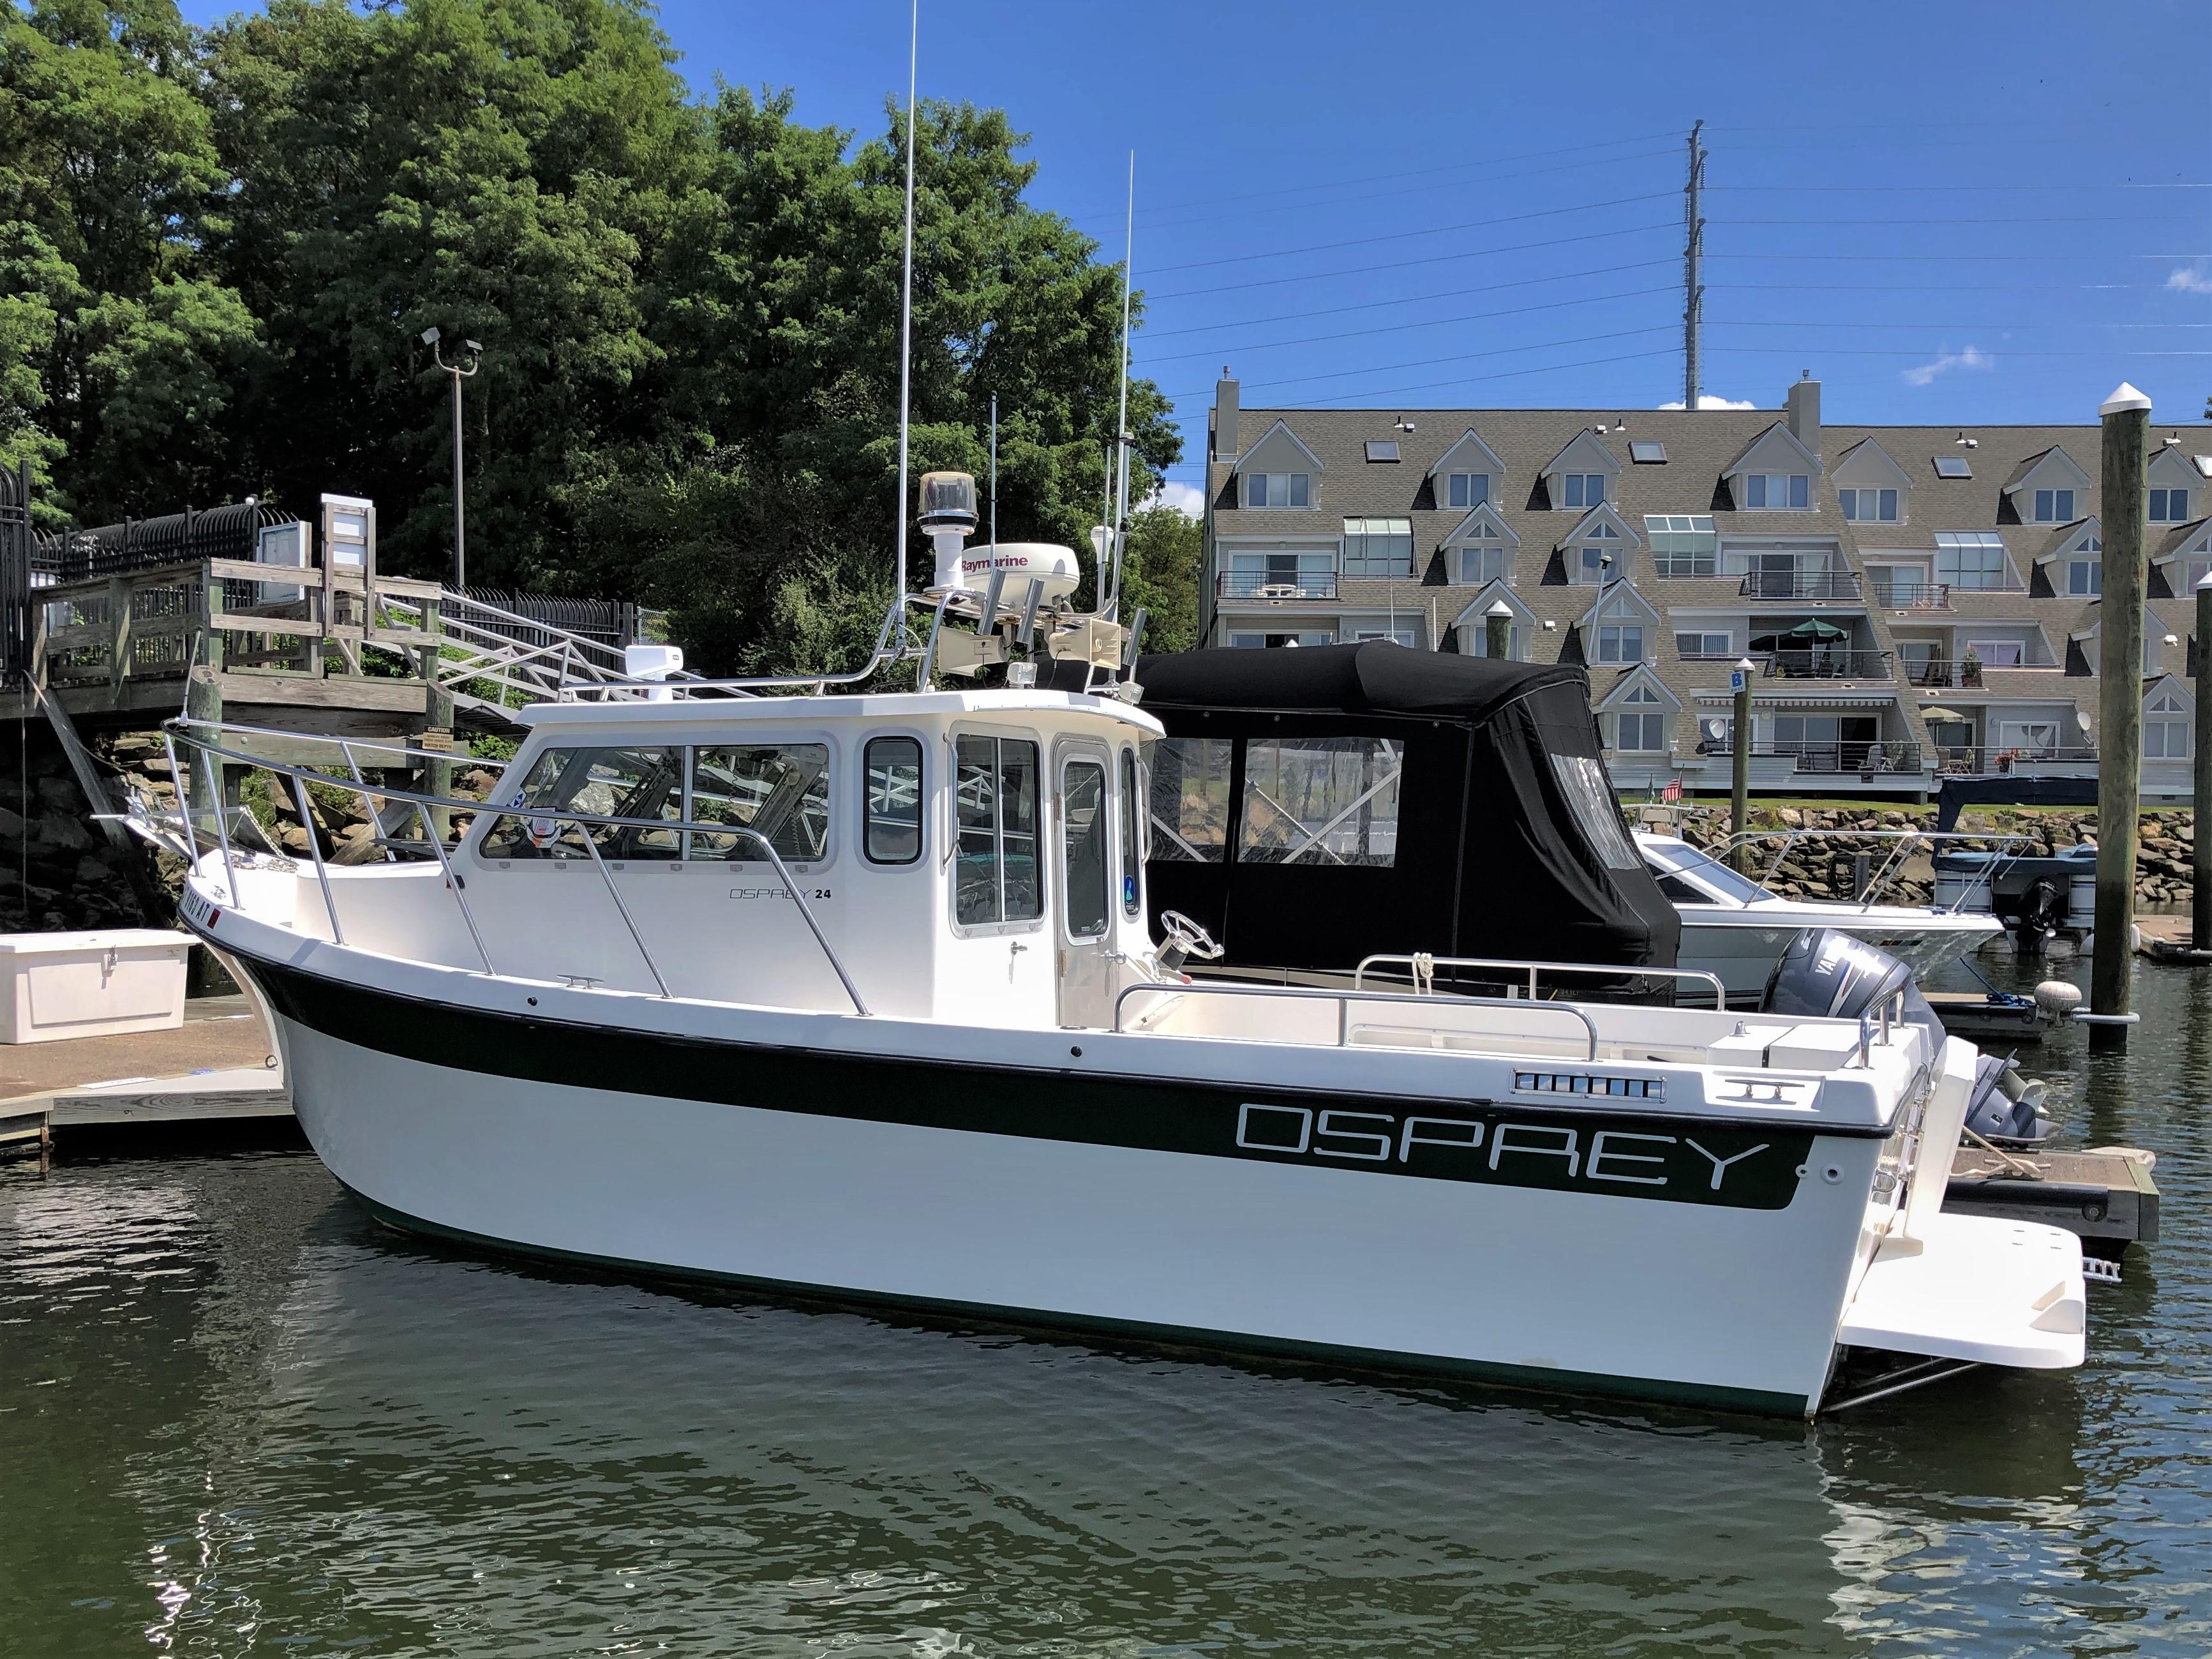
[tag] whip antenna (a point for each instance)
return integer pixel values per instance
(906, 320)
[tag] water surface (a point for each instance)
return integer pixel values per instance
(236, 1416)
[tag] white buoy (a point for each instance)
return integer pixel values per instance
(2055, 998)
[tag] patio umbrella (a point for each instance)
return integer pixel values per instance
(1948, 715)
(1817, 629)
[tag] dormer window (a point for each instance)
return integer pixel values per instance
(1485, 562)
(1639, 723)
(2169, 507)
(1278, 488)
(1785, 491)
(2054, 507)
(2085, 569)
(1466, 489)
(1868, 506)
(1621, 642)
(1581, 490)
(1596, 556)
(2166, 728)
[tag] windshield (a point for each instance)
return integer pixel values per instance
(1681, 856)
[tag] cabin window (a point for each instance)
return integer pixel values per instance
(996, 790)
(613, 783)
(1190, 800)
(1083, 846)
(1322, 801)
(780, 791)
(1589, 797)
(893, 768)
(1133, 853)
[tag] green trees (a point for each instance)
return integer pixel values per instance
(219, 248)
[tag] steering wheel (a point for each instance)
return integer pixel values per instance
(1186, 939)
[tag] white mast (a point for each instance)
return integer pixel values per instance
(1121, 419)
(905, 321)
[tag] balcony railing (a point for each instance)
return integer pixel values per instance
(1980, 759)
(1913, 596)
(1859, 755)
(1960, 670)
(1800, 584)
(1821, 663)
(1271, 585)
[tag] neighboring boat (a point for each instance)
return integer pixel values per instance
(1737, 929)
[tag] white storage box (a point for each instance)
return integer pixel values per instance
(72, 985)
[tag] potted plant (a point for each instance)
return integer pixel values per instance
(1970, 668)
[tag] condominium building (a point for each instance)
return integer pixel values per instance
(1916, 600)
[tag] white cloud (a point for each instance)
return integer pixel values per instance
(1944, 361)
(1706, 400)
(1187, 499)
(2191, 279)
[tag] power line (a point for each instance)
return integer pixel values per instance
(1949, 259)
(1936, 288)
(1919, 351)
(1884, 189)
(1411, 172)
(2069, 322)
(2000, 219)
(1402, 328)
(1409, 190)
(1434, 230)
(1407, 300)
(1403, 264)
(1479, 380)
(1465, 356)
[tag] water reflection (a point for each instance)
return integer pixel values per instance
(250, 1416)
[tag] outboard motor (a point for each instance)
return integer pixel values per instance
(1826, 974)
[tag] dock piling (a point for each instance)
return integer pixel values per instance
(2126, 416)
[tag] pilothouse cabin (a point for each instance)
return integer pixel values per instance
(962, 852)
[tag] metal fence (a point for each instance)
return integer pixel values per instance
(119, 549)
(606, 621)
(18, 550)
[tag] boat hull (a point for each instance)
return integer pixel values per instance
(1128, 1205)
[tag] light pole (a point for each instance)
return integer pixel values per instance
(1739, 759)
(430, 338)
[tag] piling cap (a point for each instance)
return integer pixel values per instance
(2124, 397)
(1499, 608)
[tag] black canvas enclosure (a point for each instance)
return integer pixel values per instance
(1314, 806)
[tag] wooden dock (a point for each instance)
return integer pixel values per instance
(2106, 1195)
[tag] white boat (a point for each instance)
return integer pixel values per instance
(1734, 927)
(858, 996)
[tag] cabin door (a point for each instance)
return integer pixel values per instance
(1083, 932)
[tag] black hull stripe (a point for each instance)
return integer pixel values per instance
(1383, 1362)
(1684, 1159)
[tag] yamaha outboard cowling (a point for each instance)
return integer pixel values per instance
(1824, 974)
(1828, 975)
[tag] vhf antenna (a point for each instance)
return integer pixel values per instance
(906, 324)
(1113, 606)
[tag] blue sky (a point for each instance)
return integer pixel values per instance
(1948, 213)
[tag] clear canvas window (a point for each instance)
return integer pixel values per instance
(779, 791)
(1589, 798)
(1190, 799)
(893, 791)
(996, 878)
(614, 783)
(1321, 801)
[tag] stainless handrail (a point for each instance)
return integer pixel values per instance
(1605, 970)
(2007, 846)
(183, 721)
(1344, 1000)
(180, 726)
